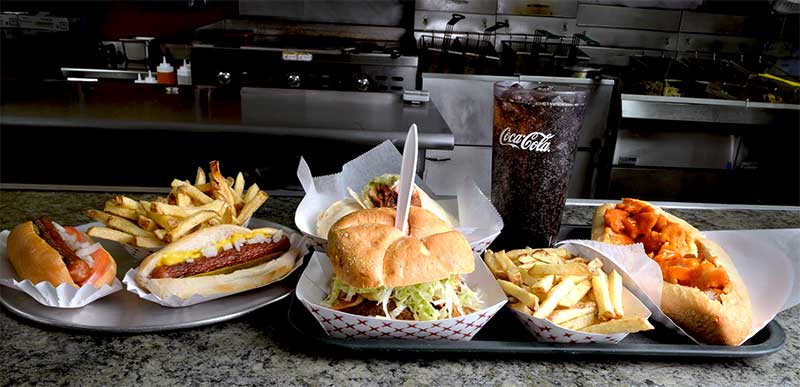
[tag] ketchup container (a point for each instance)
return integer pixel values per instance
(165, 73)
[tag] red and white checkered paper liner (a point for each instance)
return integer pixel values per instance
(140, 253)
(314, 285)
(547, 331)
(475, 215)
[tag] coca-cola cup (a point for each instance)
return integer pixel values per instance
(536, 131)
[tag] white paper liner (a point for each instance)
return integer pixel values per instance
(314, 285)
(61, 296)
(767, 260)
(298, 242)
(547, 331)
(140, 253)
(640, 274)
(476, 217)
(769, 263)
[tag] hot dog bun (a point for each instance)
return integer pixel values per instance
(237, 281)
(722, 319)
(35, 260)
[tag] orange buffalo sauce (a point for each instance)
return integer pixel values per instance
(665, 242)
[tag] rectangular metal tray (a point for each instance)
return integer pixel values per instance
(503, 334)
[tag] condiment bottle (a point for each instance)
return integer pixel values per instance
(165, 73)
(150, 78)
(185, 74)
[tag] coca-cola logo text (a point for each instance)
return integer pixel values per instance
(534, 141)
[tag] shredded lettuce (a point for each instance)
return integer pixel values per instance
(427, 301)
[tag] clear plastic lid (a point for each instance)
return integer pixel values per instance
(541, 93)
(165, 67)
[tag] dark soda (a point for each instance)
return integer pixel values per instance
(536, 131)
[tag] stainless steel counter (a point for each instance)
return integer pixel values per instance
(144, 137)
(705, 110)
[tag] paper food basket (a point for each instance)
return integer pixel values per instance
(313, 288)
(475, 215)
(767, 261)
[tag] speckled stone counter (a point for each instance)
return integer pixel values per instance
(258, 349)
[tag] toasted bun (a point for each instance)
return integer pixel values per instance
(334, 212)
(727, 320)
(367, 251)
(35, 260)
(238, 281)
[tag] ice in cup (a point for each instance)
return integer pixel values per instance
(536, 131)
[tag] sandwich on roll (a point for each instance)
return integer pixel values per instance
(42, 250)
(378, 271)
(219, 259)
(702, 291)
(381, 191)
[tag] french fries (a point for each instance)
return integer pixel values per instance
(626, 324)
(615, 291)
(213, 199)
(221, 188)
(576, 294)
(110, 234)
(564, 315)
(579, 323)
(570, 291)
(605, 310)
(188, 224)
(126, 202)
(125, 212)
(526, 298)
(149, 242)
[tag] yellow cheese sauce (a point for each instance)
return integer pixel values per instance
(177, 257)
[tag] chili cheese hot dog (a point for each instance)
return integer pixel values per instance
(702, 292)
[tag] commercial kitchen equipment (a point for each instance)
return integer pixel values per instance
(256, 53)
(704, 129)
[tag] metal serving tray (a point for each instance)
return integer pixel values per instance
(125, 312)
(503, 334)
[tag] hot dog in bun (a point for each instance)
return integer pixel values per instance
(702, 291)
(381, 191)
(218, 259)
(42, 250)
(378, 271)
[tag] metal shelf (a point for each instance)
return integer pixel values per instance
(704, 110)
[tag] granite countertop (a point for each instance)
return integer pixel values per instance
(258, 348)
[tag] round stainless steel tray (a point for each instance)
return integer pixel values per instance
(124, 311)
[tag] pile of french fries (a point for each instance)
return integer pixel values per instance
(188, 208)
(567, 290)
